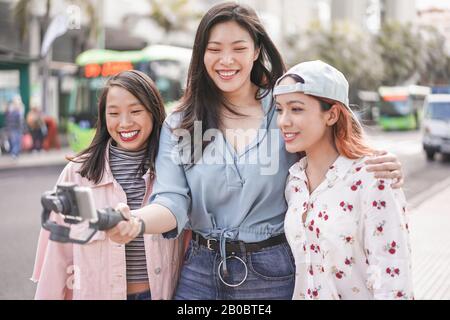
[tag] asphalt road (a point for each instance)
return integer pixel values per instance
(20, 192)
(420, 173)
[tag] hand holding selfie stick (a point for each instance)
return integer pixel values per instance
(76, 205)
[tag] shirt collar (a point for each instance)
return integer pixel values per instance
(298, 169)
(337, 170)
(269, 110)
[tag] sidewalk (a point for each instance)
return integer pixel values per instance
(35, 159)
(430, 240)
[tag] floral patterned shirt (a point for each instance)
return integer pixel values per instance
(350, 236)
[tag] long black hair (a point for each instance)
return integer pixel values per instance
(144, 89)
(202, 100)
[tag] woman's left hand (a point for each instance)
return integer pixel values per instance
(386, 166)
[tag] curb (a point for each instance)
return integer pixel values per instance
(32, 165)
(29, 161)
(426, 195)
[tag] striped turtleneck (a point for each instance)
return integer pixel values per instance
(124, 166)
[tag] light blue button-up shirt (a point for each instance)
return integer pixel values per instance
(229, 195)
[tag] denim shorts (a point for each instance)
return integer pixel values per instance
(270, 275)
(146, 295)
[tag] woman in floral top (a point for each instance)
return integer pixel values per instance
(348, 230)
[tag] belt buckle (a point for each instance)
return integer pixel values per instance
(208, 244)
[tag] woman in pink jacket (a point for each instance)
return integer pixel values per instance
(119, 167)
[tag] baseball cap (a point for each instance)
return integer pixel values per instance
(321, 80)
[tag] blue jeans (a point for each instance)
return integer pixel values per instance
(271, 275)
(146, 295)
(15, 140)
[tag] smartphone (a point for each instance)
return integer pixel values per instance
(85, 203)
(75, 202)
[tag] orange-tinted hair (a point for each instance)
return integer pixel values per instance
(349, 135)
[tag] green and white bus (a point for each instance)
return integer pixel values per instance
(401, 108)
(166, 65)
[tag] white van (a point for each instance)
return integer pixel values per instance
(436, 125)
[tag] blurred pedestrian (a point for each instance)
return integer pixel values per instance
(51, 141)
(36, 126)
(15, 125)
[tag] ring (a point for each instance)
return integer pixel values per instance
(226, 283)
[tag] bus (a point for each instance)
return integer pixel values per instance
(166, 65)
(401, 108)
(436, 123)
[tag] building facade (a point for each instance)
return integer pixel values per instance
(440, 19)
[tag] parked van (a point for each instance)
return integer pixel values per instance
(436, 125)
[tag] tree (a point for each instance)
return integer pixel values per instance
(169, 15)
(401, 51)
(397, 55)
(436, 66)
(172, 15)
(345, 47)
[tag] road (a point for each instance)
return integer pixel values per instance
(420, 173)
(20, 192)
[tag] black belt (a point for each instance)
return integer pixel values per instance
(236, 246)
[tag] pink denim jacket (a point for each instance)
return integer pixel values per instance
(97, 270)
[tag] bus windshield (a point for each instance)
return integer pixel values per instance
(439, 110)
(84, 106)
(395, 107)
(401, 107)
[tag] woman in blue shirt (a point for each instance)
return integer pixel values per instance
(222, 167)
